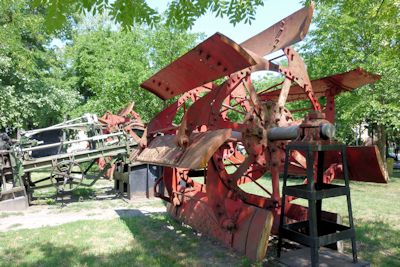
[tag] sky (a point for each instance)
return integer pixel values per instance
(272, 12)
(267, 15)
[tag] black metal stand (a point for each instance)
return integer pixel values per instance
(316, 232)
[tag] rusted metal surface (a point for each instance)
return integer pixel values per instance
(296, 71)
(336, 84)
(286, 32)
(163, 121)
(127, 120)
(164, 151)
(216, 57)
(251, 235)
(224, 133)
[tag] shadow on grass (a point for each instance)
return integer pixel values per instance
(378, 243)
(79, 194)
(153, 240)
(396, 173)
(180, 245)
(138, 239)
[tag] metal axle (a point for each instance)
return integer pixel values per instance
(327, 131)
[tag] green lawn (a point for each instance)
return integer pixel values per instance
(156, 240)
(152, 240)
(47, 192)
(84, 197)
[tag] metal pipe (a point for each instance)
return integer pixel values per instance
(327, 131)
(90, 119)
(94, 138)
(33, 132)
(283, 133)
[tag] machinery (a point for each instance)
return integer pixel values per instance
(231, 134)
(62, 148)
(217, 137)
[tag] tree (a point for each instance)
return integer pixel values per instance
(349, 34)
(181, 13)
(107, 65)
(31, 84)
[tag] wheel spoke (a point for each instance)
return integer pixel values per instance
(67, 176)
(70, 167)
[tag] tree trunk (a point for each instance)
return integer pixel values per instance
(381, 142)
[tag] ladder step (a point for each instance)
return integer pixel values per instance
(328, 233)
(321, 191)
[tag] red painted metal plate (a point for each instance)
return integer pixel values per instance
(286, 32)
(338, 83)
(216, 57)
(364, 163)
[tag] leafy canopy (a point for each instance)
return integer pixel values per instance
(99, 69)
(350, 34)
(31, 79)
(107, 66)
(180, 13)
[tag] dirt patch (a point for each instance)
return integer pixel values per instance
(39, 216)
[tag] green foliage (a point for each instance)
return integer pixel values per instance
(180, 13)
(100, 68)
(106, 66)
(267, 82)
(271, 82)
(350, 34)
(31, 83)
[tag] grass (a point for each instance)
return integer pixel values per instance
(86, 190)
(135, 241)
(89, 195)
(376, 217)
(157, 240)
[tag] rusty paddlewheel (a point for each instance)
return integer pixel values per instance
(231, 135)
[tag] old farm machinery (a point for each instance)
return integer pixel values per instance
(230, 134)
(61, 149)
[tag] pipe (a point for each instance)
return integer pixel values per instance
(87, 119)
(327, 131)
(283, 133)
(94, 138)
